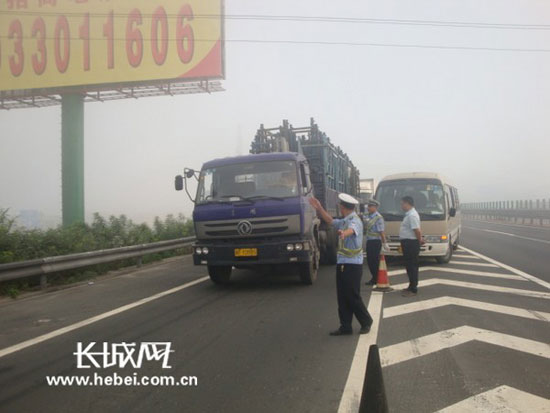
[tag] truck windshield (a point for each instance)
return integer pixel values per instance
(428, 196)
(272, 179)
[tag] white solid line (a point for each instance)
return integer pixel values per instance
(465, 256)
(501, 399)
(446, 301)
(91, 320)
(475, 264)
(456, 271)
(484, 287)
(544, 241)
(351, 397)
(407, 350)
(509, 268)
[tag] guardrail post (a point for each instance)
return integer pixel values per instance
(139, 261)
(43, 281)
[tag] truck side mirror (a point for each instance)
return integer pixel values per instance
(178, 183)
(189, 173)
(452, 212)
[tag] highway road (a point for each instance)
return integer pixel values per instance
(476, 338)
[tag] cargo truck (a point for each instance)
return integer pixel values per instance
(254, 210)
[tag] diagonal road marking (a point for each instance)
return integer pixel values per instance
(465, 256)
(501, 399)
(407, 350)
(476, 264)
(509, 268)
(484, 287)
(465, 272)
(446, 301)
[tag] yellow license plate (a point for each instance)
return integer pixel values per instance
(246, 252)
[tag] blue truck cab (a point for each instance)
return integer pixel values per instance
(254, 210)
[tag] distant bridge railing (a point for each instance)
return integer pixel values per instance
(531, 212)
(49, 265)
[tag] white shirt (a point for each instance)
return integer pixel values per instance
(411, 221)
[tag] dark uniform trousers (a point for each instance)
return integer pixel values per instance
(411, 250)
(348, 288)
(373, 257)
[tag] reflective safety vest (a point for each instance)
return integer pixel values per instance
(370, 224)
(348, 252)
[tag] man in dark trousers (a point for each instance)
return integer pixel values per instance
(411, 240)
(349, 268)
(376, 239)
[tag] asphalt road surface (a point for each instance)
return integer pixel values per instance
(476, 338)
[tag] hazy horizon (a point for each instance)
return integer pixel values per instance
(479, 117)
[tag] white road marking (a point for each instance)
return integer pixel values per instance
(474, 264)
(407, 350)
(509, 268)
(479, 305)
(17, 347)
(503, 399)
(455, 255)
(484, 287)
(544, 241)
(351, 397)
(465, 272)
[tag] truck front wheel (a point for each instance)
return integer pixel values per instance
(220, 274)
(308, 270)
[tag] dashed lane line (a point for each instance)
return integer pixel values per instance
(462, 302)
(407, 350)
(17, 347)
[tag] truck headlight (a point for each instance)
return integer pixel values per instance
(299, 247)
(205, 251)
(198, 251)
(290, 247)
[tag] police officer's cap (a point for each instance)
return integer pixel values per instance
(348, 201)
(373, 202)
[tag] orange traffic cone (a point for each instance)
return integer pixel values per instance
(382, 281)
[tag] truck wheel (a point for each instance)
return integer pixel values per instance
(219, 274)
(447, 257)
(328, 255)
(309, 270)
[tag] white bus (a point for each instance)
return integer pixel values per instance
(437, 203)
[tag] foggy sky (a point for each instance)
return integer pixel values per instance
(479, 117)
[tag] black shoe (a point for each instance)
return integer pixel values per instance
(371, 282)
(408, 293)
(341, 332)
(365, 330)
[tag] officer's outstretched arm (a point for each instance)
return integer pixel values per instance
(324, 215)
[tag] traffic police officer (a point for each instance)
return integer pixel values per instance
(349, 268)
(376, 239)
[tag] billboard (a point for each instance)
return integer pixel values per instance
(47, 44)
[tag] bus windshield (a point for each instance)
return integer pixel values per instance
(248, 181)
(428, 196)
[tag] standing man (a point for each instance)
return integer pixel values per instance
(376, 238)
(411, 240)
(349, 267)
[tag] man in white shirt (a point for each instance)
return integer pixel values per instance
(410, 236)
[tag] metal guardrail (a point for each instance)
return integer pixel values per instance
(510, 210)
(49, 265)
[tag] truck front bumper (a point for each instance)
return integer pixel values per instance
(268, 252)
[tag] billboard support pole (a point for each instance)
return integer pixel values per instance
(72, 158)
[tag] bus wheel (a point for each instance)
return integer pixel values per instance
(447, 257)
(220, 274)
